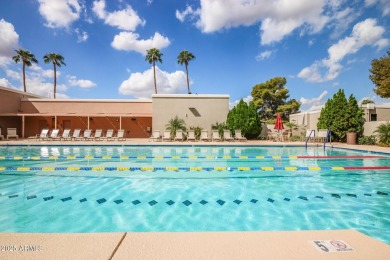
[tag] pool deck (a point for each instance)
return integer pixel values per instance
(190, 245)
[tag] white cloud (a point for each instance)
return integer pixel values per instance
(314, 102)
(126, 19)
(59, 13)
(82, 36)
(383, 4)
(365, 33)
(141, 85)
(9, 38)
(278, 18)
(5, 83)
(264, 55)
(82, 83)
(188, 12)
(128, 41)
(235, 102)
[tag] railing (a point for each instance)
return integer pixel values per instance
(328, 137)
(308, 137)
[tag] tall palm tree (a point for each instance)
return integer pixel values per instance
(27, 59)
(185, 57)
(154, 55)
(57, 60)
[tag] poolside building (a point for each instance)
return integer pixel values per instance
(31, 113)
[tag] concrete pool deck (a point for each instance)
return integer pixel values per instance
(189, 245)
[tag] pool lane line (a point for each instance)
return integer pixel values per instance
(174, 168)
(193, 157)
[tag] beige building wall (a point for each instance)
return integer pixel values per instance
(195, 109)
(308, 119)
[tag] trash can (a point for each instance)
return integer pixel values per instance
(351, 138)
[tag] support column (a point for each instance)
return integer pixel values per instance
(23, 123)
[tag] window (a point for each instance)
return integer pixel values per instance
(373, 117)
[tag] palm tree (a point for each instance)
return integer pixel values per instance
(57, 60)
(185, 57)
(27, 58)
(175, 124)
(152, 56)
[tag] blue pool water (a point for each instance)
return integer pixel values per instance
(204, 188)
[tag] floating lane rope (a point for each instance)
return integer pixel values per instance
(192, 157)
(174, 168)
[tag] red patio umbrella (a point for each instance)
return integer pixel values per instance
(279, 124)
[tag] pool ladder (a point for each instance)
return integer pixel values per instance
(328, 137)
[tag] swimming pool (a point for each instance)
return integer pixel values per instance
(193, 188)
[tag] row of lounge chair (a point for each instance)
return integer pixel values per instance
(77, 136)
(204, 136)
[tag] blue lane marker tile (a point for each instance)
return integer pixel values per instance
(326, 168)
(381, 193)
(31, 197)
(351, 195)
(237, 202)
(152, 202)
(66, 199)
(203, 202)
(318, 197)
(220, 202)
(48, 198)
(303, 168)
(83, 200)
(270, 200)
(336, 196)
(302, 197)
(278, 168)
(13, 196)
(118, 201)
(187, 202)
(254, 201)
(286, 199)
(367, 194)
(170, 202)
(102, 200)
(136, 202)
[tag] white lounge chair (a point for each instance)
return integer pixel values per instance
(120, 135)
(227, 136)
(155, 136)
(179, 135)
(191, 135)
(98, 135)
(76, 134)
(166, 136)
(41, 136)
(109, 134)
(86, 135)
(12, 133)
(54, 134)
(215, 136)
(204, 135)
(239, 136)
(65, 134)
(321, 135)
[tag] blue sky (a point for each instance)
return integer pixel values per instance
(319, 46)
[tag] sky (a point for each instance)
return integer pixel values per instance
(319, 46)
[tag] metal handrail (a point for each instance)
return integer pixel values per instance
(328, 135)
(308, 138)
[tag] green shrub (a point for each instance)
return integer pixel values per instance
(220, 128)
(295, 138)
(370, 140)
(197, 131)
(383, 131)
(175, 124)
(245, 118)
